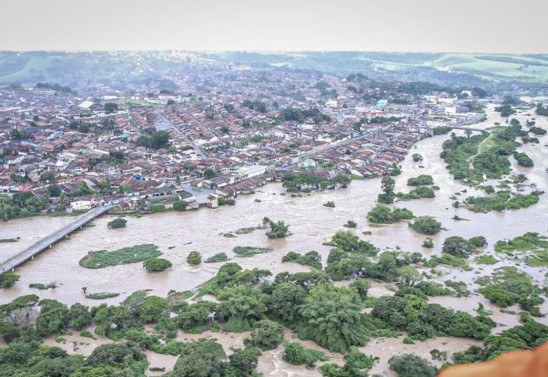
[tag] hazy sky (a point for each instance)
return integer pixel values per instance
(380, 25)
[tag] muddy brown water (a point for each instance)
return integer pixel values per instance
(176, 234)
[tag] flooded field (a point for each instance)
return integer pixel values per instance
(176, 234)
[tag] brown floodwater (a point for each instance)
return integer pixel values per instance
(176, 234)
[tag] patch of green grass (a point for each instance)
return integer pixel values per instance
(87, 334)
(131, 254)
(101, 295)
(42, 287)
(533, 243)
(247, 251)
(486, 259)
(219, 257)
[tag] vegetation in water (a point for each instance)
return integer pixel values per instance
(311, 258)
(117, 223)
(131, 254)
(219, 257)
(382, 214)
(157, 264)
(426, 225)
(248, 251)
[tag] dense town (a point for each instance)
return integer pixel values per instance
(202, 139)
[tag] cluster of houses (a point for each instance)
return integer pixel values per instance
(228, 135)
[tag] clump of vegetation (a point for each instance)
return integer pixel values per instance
(312, 258)
(309, 182)
(295, 353)
(410, 365)
(501, 201)
(267, 334)
(101, 295)
(421, 192)
(329, 204)
(486, 259)
(194, 258)
(456, 153)
(8, 279)
(527, 336)
(355, 364)
(42, 287)
(534, 244)
(478, 241)
(131, 254)
(426, 225)
(157, 208)
(157, 264)
(416, 157)
(387, 187)
(117, 223)
(350, 224)
(248, 251)
(449, 260)
(523, 160)
(421, 180)
(428, 243)
(226, 201)
(180, 205)
(382, 214)
(507, 286)
(395, 170)
(441, 130)
(276, 229)
(219, 257)
(457, 246)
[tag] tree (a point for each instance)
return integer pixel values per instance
(416, 157)
(194, 258)
(267, 334)
(277, 229)
(152, 309)
(209, 173)
(286, 300)
(242, 305)
(457, 246)
(387, 186)
(47, 176)
(111, 107)
(242, 362)
(409, 275)
(180, 205)
(426, 225)
(333, 319)
(117, 223)
(79, 316)
(156, 264)
(409, 365)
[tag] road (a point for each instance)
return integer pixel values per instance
(44, 243)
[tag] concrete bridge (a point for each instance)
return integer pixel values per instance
(466, 128)
(44, 243)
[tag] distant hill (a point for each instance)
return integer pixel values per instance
(91, 68)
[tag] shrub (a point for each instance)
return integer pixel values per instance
(426, 225)
(267, 334)
(8, 279)
(295, 353)
(194, 258)
(157, 264)
(117, 223)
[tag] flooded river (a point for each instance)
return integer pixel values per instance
(176, 234)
